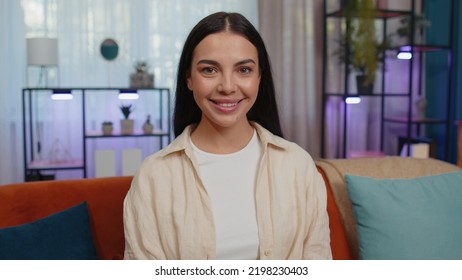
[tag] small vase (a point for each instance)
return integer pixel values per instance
(148, 128)
(126, 126)
(107, 129)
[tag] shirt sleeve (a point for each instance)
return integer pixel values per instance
(142, 240)
(317, 241)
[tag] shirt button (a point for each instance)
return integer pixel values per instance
(268, 252)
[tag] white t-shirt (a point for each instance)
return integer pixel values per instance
(230, 183)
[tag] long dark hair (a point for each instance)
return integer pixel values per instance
(264, 111)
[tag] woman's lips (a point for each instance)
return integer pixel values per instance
(226, 106)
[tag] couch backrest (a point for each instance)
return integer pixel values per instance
(26, 202)
(344, 242)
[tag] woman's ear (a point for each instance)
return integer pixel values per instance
(189, 82)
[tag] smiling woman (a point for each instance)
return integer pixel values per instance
(223, 189)
(224, 80)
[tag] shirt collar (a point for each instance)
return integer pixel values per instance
(182, 142)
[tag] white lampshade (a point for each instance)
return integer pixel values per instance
(42, 51)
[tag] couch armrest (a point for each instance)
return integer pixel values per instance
(338, 238)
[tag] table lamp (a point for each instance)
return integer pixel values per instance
(42, 52)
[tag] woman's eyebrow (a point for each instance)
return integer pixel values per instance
(208, 61)
(246, 61)
(215, 63)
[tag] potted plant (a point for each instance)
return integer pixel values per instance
(107, 128)
(126, 124)
(359, 47)
(420, 23)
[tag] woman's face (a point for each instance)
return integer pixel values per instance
(224, 79)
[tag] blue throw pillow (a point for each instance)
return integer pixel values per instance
(417, 218)
(64, 235)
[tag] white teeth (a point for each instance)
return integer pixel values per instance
(227, 104)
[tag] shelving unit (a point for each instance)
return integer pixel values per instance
(391, 111)
(60, 135)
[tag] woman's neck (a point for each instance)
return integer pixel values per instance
(220, 140)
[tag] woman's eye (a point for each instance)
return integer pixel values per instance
(245, 70)
(208, 70)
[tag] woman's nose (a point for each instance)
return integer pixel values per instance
(227, 84)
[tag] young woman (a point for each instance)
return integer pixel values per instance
(229, 186)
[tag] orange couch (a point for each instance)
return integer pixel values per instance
(25, 202)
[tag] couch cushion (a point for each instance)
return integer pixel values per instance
(62, 236)
(408, 218)
(379, 168)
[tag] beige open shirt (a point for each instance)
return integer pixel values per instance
(168, 214)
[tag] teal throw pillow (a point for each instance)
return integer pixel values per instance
(64, 235)
(415, 219)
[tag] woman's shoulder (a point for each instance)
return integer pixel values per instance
(288, 155)
(281, 145)
(294, 152)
